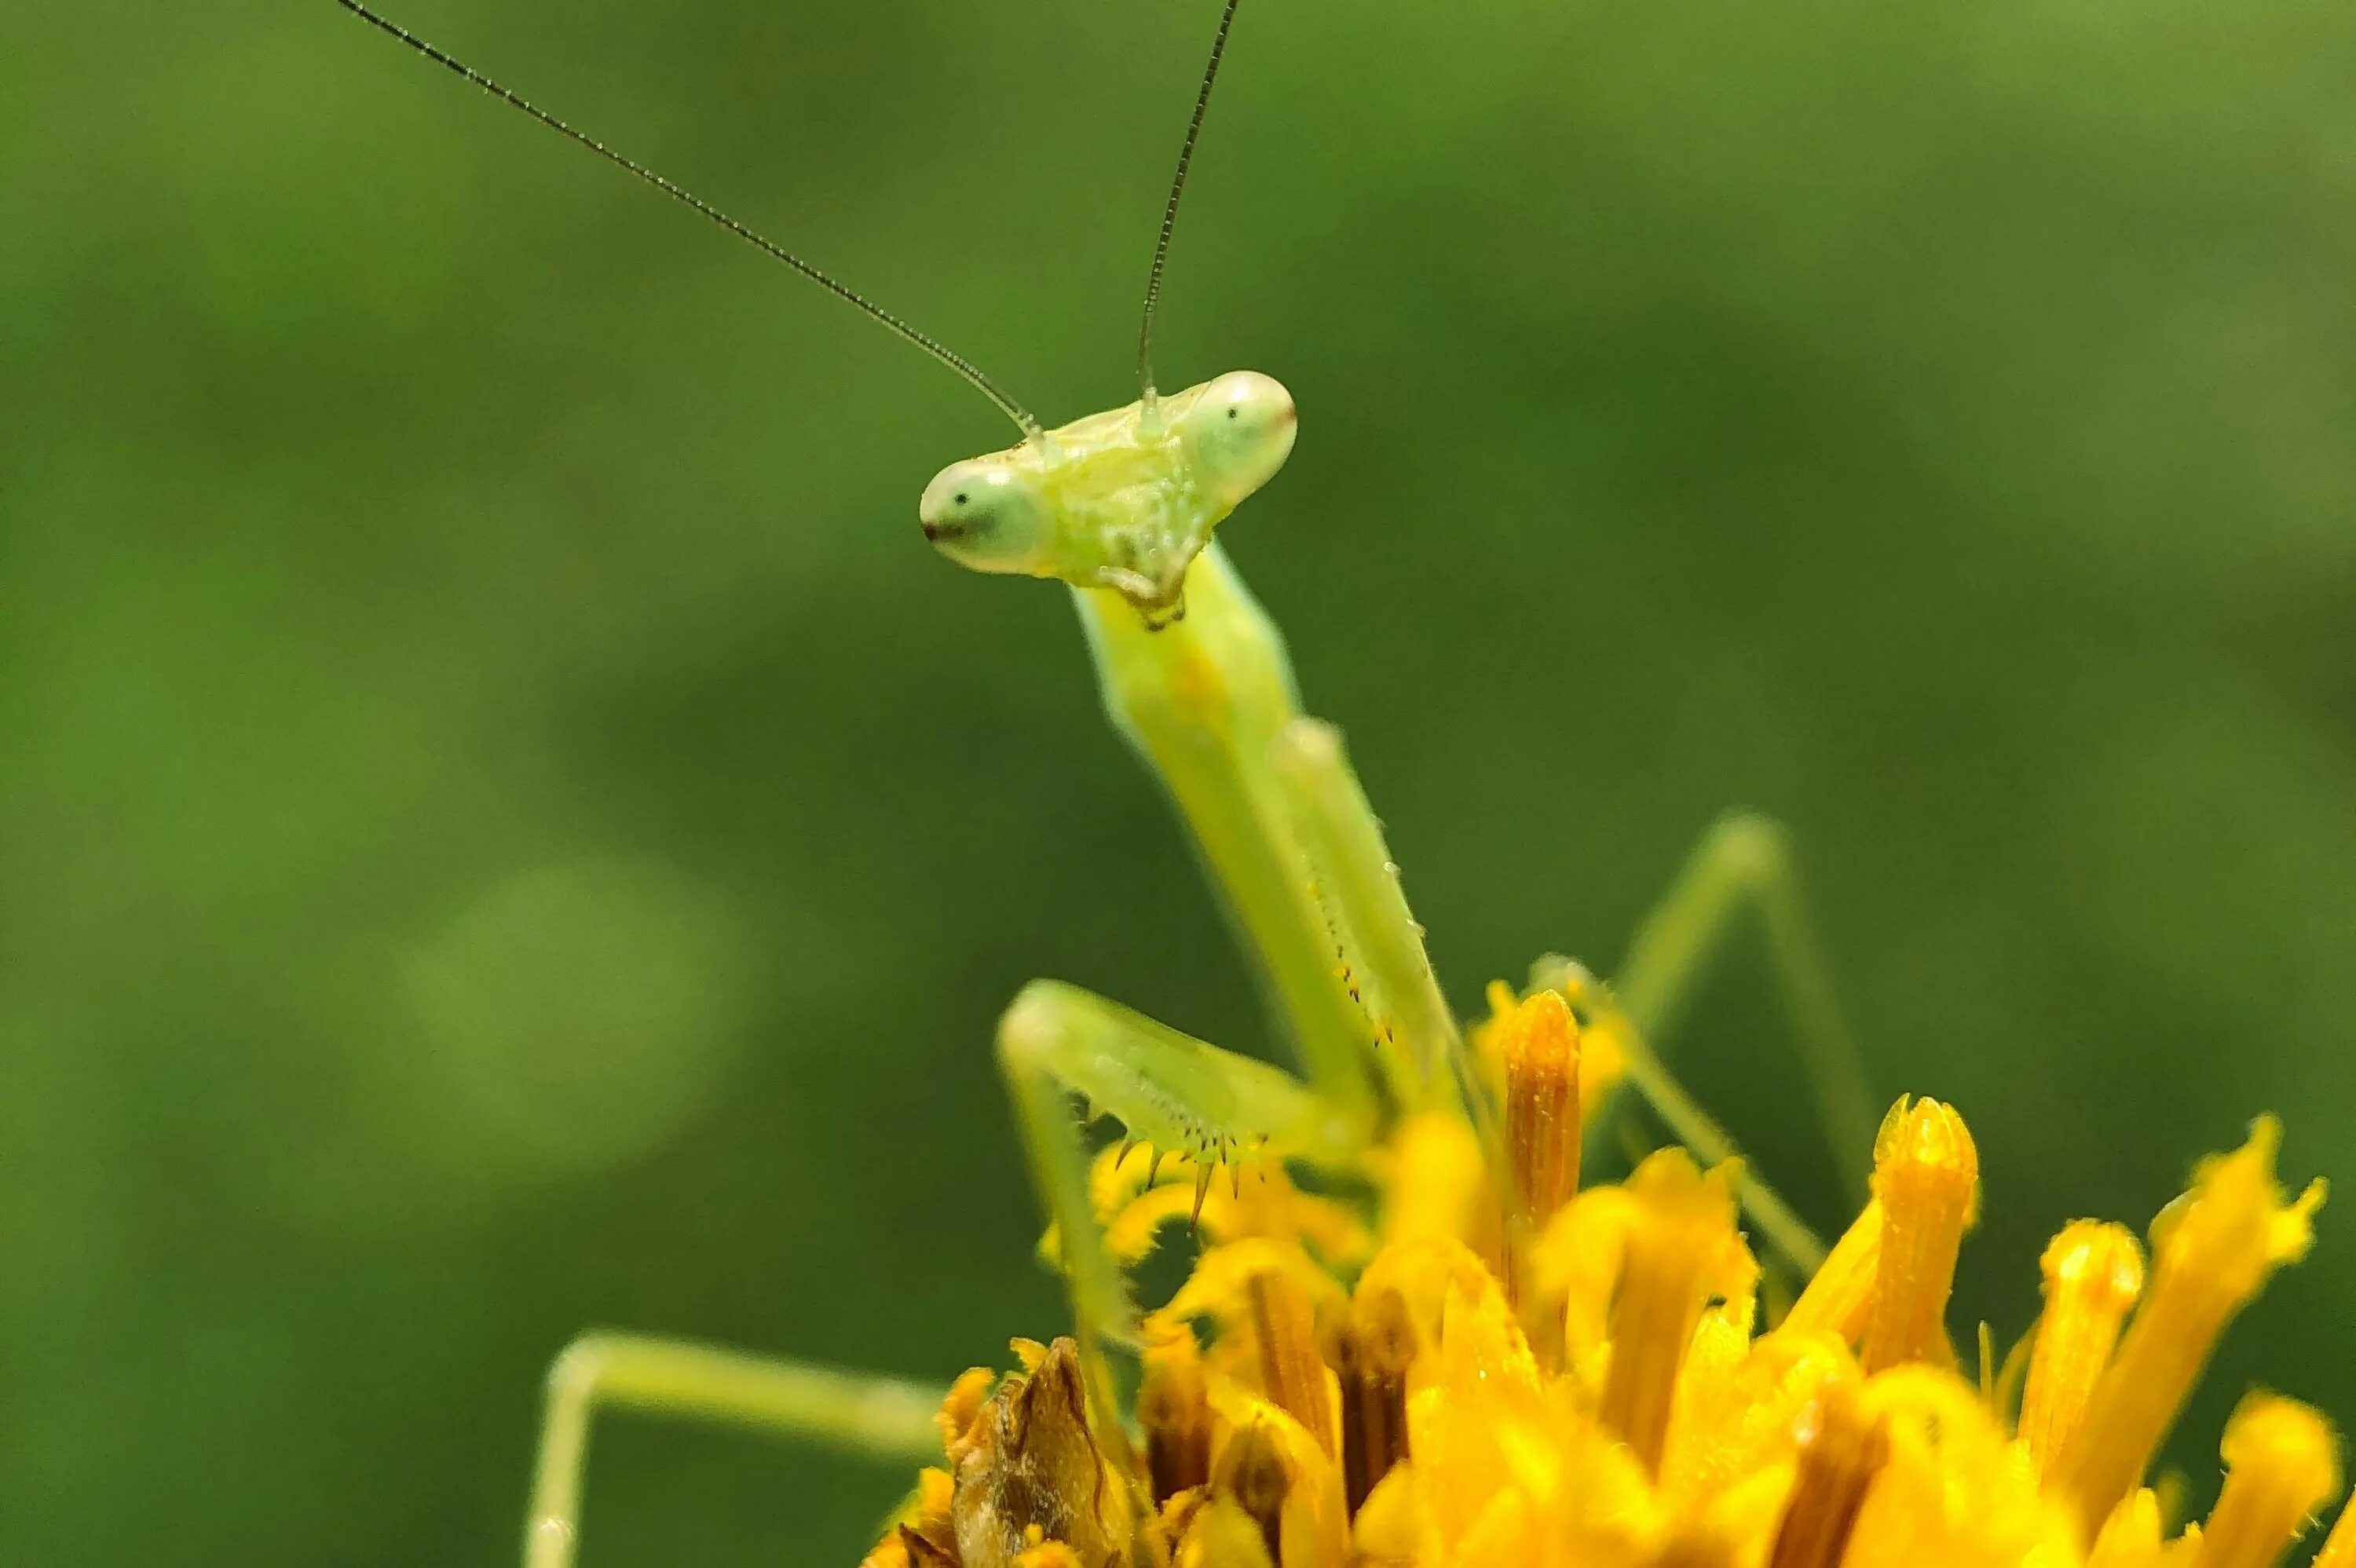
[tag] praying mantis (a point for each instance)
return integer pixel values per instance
(1121, 507)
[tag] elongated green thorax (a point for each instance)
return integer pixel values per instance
(1123, 500)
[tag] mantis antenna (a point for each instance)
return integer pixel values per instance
(925, 341)
(1169, 211)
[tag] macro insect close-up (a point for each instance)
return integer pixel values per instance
(545, 923)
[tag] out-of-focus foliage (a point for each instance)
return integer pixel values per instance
(505, 827)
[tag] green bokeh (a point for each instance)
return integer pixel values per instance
(504, 825)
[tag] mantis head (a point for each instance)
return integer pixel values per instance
(1240, 431)
(1122, 500)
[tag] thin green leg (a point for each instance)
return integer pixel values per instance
(1744, 864)
(1786, 1234)
(884, 1418)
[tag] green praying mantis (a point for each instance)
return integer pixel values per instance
(1121, 507)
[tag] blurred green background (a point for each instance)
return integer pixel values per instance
(505, 827)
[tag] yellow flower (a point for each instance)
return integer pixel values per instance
(1525, 1375)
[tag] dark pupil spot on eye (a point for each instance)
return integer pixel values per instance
(960, 498)
(1231, 414)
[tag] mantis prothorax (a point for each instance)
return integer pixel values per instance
(1121, 505)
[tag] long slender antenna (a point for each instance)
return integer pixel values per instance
(1169, 212)
(931, 345)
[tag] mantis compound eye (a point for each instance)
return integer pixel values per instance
(984, 515)
(1241, 431)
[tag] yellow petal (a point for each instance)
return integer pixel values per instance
(2093, 1271)
(2212, 1249)
(2282, 1463)
(1682, 1248)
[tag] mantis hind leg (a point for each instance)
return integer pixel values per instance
(883, 1417)
(1743, 866)
(1786, 1234)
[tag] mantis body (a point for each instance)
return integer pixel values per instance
(1121, 507)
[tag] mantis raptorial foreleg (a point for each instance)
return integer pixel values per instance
(1204, 700)
(1166, 1089)
(881, 1417)
(1210, 703)
(1418, 1046)
(1743, 864)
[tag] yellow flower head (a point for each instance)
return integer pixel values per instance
(1413, 1335)
(1602, 1392)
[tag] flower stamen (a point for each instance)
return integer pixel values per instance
(1174, 1407)
(2339, 1549)
(2282, 1463)
(1540, 1048)
(2212, 1249)
(1537, 1048)
(2093, 1271)
(1926, 1178)
(1291, 1370)
(1838, 1299)
(1682, 1248)
(1838, 1462)
(1370, 1356)
(1252, 1471)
